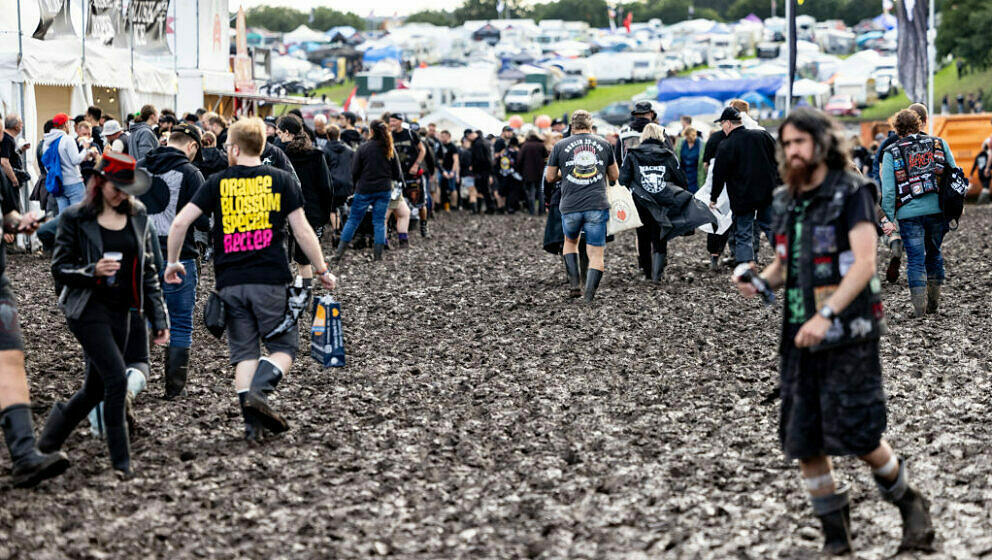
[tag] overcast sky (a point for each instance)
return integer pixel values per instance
(381, 7)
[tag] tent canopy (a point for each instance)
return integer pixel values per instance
(692, 106)
(721, 90)
(460, 118)
(387, 52)
(302, 34)
(802, 88)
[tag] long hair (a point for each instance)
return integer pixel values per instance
(830, 146)
(293, 125)
(92, 203)
(380, 134)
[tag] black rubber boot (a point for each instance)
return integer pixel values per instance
(119, 445)
(658, 262)
(253, 429)
(264, 381)
(592, 283)
(572, 271)
(30, 466)
(57, 429)
(933, 295)
(405, 243)
(917, 528)
(714, 263)
(377, 252)
(475, 207)
(895, 258)
(834, 511)
(583, 263)
(423, 229)
(339, 252)
(176, 371)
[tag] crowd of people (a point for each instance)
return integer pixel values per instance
(134, 211)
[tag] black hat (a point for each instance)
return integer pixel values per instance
(642, 108)
(193, 132)
(557, 121)
(396, 116)
(271, 121)
(729, 114)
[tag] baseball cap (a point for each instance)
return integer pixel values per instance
(729, 114)
(122, 170)
(189, 130)
(271, 121)
(642, 108)
(60, 119)
(396, 116)
(507, 128)
(111, 127)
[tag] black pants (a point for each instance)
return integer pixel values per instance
(511, 191)
(103, 334)
(648, 239)
(534, 197)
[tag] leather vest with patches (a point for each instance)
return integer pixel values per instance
(918, 161)
(822, 262)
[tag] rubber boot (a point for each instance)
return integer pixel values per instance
(490, 205)
(423, 229)
(892, 271)
(404, 243)
(583, 263)
(30, 466)
(377, 251)
(339, 252)
(58, 427)
(572, 271)
(983, 197)
(475, 207)
(658, 262)
(918, 297)
(592, 283)
(264, 382)
(119, 445)
(917, 528)
(176, 371)
(834, 511)
(253, 429)
(933, 296)
(714, 263)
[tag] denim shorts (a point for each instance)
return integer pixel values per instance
(593, 222)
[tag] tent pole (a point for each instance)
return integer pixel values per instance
(788, 42)
(931, 60)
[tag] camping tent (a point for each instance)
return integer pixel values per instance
(722, 90)
(302, 34)
(460, 118)
(692, 106)
(374, 55)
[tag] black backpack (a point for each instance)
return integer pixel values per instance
(953, 188)
(339, 164)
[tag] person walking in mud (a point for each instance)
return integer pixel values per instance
(831, 376)
(251, 204)
(585, 162)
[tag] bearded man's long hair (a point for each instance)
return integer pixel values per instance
(829, 146)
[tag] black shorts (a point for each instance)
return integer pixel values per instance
(299, 257)
(832, 401)
(252, 311)
(11, 337)
(482, 183)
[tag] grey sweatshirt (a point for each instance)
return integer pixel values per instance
(69, 154)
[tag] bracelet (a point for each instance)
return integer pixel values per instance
(177, 263)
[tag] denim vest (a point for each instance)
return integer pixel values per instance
(918, 161)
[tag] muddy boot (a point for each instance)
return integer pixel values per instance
(119, 445)
(983, 197)
(404, 241)
(834, 511)
(583, 264)
(917, 529)
(933, 295)
(714, 263)
(339, 252)
(592, 283)
(57, 429)
(30, 466)
(253, 429)
(918, 297)
(658, 262)
(892, 271)
(377, 252)
(423, 229)
(176, 371)
(264, 382)
(572, 271)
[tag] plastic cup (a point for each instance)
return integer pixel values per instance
(115, 256)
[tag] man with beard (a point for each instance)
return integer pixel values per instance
(745, 164)
(833, 403)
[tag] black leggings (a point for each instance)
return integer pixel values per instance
(648, 238)
(103, 334)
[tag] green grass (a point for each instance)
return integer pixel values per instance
(594, 101)
(337, 94)
(946, 81)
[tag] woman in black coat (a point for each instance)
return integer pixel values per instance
(315, 180)
(651, 171)
(103, 267)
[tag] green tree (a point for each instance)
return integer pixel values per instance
(593, 12)
(486, 9)
(436, 17)
(964, 32)
(326, 18)
(279, 20)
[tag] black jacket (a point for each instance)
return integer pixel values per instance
(482, 157)
(371, 172)
(78, 247)
(315, 180)
(339, 157)
(745, 163)
(276, 157)
(213, 161)
(531, 159)
(174, 182)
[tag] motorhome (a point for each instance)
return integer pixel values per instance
(860, 87)
(489, 101)
(612, 67)
(412, 103)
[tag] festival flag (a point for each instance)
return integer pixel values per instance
(347, 102)
(792, 47)
(911, 48)
(627, 21)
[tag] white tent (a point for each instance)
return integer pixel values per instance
(460, 118)
(302, 34)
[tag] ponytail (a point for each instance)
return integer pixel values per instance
(380, 133)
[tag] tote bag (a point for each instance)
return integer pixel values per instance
(623, 213)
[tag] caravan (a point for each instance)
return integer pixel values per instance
(612, 67)
(487, 101)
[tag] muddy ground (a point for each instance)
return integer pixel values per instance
(482, 414)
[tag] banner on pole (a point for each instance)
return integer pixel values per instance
(911, 49)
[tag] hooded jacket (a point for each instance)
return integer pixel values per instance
(174, 182)
(213, 161)
(371, 171)
(69, 154)
(141, 141)
(315, 180)
(339, 157)
(746, 165)
(531, 160)
(652, 173)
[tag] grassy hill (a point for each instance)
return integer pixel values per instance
(946, 81)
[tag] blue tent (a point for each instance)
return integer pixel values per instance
(375, 55)
(757, 100)
(721, 90)
(691, 106)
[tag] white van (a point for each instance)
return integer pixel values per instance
(411, 103)
(488, 101)
(612, 67)
(524, 97)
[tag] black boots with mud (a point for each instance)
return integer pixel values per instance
(834, 512)
(592, 283)
(264, 382)
(176, 371)
(572, 271)
(339, 252)
(658, 263)
(30, 466)
(917, 528)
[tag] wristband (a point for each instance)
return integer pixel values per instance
(177, 263)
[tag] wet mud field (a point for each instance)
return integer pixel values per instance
(482, 414)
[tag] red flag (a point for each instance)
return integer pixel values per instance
(627, 21)
(351, 96)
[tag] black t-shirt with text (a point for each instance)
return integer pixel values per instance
(250, 206)
(582, 160)
(8, 149)
(406, 144)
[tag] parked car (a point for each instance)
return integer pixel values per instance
(842, 106)
(616, 113)
(571, 86)
(524, 97)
